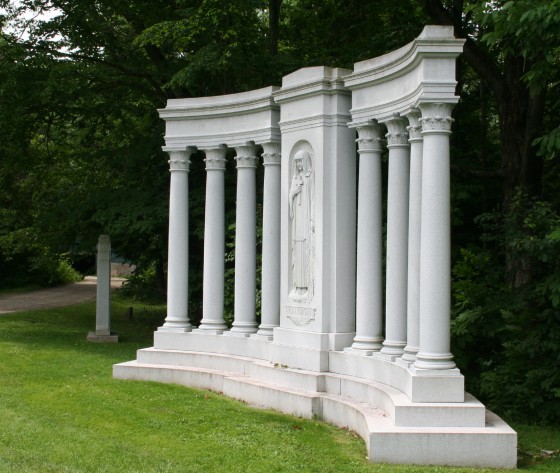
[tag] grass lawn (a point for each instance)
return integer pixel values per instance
(61, 411)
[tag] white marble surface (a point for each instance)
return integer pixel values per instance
(320, 350)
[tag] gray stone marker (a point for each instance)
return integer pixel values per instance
(103, 332)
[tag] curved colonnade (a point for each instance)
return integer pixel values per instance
(326, 345)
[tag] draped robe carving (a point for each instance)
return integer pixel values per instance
(301, 207)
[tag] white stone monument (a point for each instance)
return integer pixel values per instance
(318, 263)
(327, 346)
(103, 332)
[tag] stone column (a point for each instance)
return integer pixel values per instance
(245, 322)
(369, 285)
(414, 212)
(397, 237)
(214, 243)
(177, 319)
(103, 304)
(270, 277)
(435, 258)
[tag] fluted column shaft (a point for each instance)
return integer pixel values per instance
(397, 237)
(245, 321)
(435, 258)
(414, 231)
(270, 276)
(369, 285)
(214, 243)
(177, 319)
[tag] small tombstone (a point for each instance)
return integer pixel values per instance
(103, 332)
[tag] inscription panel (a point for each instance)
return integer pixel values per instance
(300, 315)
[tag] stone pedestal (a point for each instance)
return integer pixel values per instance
(103, 305)
(318, 212)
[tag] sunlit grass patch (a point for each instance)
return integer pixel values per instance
(61, 410)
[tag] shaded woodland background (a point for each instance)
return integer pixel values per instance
(80, 149)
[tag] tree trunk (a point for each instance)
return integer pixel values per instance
(273, 25)
(521, 117)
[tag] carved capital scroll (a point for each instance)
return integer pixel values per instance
(397, 134)
(246, 156)
(436, 117)
(271, 154)
(414, 128)
(179, 160)
(215, 159)
(370, 138)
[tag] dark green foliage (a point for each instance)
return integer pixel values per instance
(143, 286)
(338, 33)
(507, 339)
(26, 261)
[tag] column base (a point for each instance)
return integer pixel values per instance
(367, 343)
(434, 361)
(265, 330)
(410, 354)
(451, 372)
(216, 327)
(245, 328)
(392, 350)
(175, 328)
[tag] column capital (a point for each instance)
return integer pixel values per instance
(179, 159)
(271, 154)
(436, 117)
(246, 156)
(397, 134)
(215, 159)
(414, 128)
(370, 138)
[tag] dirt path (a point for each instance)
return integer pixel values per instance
(60, 296)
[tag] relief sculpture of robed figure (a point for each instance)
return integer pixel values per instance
(301, 208)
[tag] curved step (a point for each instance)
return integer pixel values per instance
(487, 445)
(397, 405)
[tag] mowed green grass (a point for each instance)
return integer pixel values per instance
(61, 411)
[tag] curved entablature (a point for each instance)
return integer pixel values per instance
(312, 81)
(313, 97)
(422, 71)
(234, 119)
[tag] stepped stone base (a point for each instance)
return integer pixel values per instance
(394, 428)
(109, 337)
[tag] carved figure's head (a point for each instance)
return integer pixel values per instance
(302, 161)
